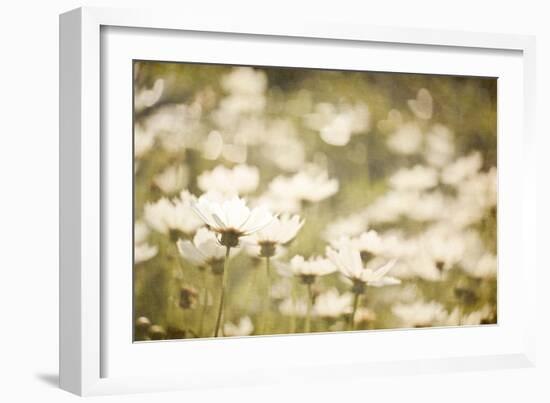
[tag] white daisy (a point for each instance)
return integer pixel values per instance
(278, 233)
(231, 218)
(203, 250)
(307, 270)
(349, 263)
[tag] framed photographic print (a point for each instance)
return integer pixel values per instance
(237, 199)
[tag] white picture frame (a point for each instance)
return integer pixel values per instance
(93, 342)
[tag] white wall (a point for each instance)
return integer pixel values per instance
(29, 186)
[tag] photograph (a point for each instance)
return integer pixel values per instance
(287, 200)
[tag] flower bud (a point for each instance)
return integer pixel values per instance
(229, 239)
(157, 332)
(188, 297)
(267, 249)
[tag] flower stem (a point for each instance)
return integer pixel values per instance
(222, 295)
(293, 316)
(351, 323)
(204, 302)
(265, 314)
(309, 306)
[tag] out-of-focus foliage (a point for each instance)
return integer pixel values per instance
(400, 168)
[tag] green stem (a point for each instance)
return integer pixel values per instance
(309, 307)
(293, 316)
(222, 295)
(204, 302)
(265, 314)
(351, 323)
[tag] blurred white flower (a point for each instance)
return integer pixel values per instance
(406, 139)
(417, 178)
(238, 180)
(420, 314)
(307, 270)
(311, 185)
(422, 106)
(440, 146)
(364, 316)
(476, 253)
(249, 130)
(205, 249)
(293, 308)
(166, 215)
(236, 153)
(336, 125)
(277, 202)
(256, 250)
(145, 98)
(392, 122)
(281, 289)
(243, 328)
(144, 252)
(231, 218)
(213, 146)
(419, 265)
(485, 267)
(245, 81)
(177, 126)
(479, 191)
(463, 168)
(426, 206)
(279, 232)
(282, 146)
(246, 95)
(444, 245)
(457, 318)
(143, 141)
(173, 179)
(391, 206)
(348, 226)
(332, 304)
(141, 232)
(369, 243)
(349, 263)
